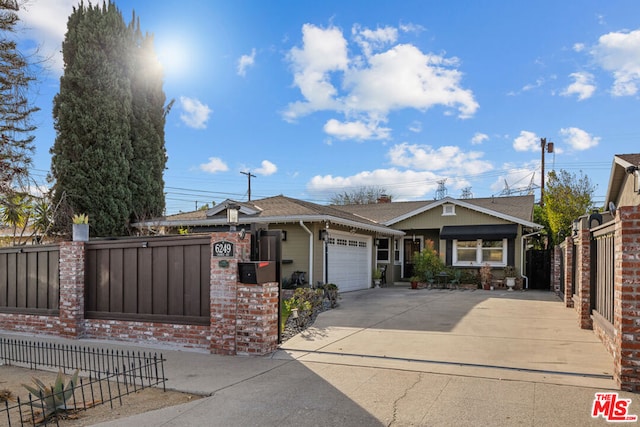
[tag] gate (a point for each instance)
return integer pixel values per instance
(154, 279)
(603, 270)
(539, 269)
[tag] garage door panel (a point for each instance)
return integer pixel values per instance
(349, 262)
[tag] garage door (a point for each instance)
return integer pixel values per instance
(349, 261)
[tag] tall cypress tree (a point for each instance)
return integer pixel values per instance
(147, 128)
(109, 156)
(16, 140)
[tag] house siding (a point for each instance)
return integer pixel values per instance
(629, 193)
(434, 217)
(295, 249)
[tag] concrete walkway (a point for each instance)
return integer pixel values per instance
(402, 357)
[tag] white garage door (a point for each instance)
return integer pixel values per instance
(349, 261)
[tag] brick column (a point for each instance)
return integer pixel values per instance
(223, 292)
(555, 270)
(583, 276)
(627, 299)
(71, 309)
(568, 272)
(257, 327)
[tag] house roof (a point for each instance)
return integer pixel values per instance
(517, 209)
(618, 172)
(273, 210)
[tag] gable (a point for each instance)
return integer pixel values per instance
(434, 218)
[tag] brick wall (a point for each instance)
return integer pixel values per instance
(568, 273)
(582, 300)
(244, 317)
(627, 298)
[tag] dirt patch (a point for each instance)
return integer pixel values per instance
(147, 399)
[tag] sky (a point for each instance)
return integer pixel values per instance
(316, 98)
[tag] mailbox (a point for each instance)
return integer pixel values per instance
(257, 272)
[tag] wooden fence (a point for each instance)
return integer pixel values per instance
(159, 279)
(603, 270)
(29, 279)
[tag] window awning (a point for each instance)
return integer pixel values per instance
(472, 232)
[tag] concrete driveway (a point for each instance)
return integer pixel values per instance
(527, 336)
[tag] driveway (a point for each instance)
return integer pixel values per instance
(526, 336)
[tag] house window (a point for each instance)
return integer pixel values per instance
(479, 252)
(396, 251)
(448, 209)
(383, 250)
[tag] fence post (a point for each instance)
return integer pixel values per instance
(223, 289)
(583, 275)
(71, 309)
(555, 270)
(568, 272)
(627, 299)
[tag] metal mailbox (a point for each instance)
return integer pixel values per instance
(256, 272)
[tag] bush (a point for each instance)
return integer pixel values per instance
(427, 263)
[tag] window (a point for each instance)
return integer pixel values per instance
(448, 209)
(478, 252)
(383, 250)
(396, 251)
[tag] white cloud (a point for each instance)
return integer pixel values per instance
(214, 165)
(195, 113)
(445, 158)
(45, 22)
(619, 53)
(415, 127)
(578, 139)
(245, 62)
(365, 89)
(582, 86)
(578, 47)
(518, 177)
(356, 130)
(267, 168)
(527, 141)
(479, 138)
(403, 185)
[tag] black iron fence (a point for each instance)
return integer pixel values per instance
(106, 376)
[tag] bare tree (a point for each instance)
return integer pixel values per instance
(361, 196)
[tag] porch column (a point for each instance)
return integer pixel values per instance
(627, 299)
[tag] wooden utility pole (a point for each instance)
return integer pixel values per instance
(249, 175)
(543, 143)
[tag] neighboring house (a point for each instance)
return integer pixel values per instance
(347, 259)
(624, 182)
(466, 233)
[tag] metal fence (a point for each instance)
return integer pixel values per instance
(163, 279)
(111, 374)
(29, 279)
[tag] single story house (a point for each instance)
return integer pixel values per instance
(624, 182)
(344, 244)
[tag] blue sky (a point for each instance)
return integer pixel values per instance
(316, 98)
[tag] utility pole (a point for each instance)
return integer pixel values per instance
(249, 175)
(549, 148)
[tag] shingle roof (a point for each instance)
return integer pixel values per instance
(520, 207)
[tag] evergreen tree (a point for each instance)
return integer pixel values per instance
(109, 157)
(16, 141)
(147, 127)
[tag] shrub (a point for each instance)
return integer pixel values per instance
(427, 262)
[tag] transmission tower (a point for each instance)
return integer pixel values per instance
(466, 193)
(441, 192)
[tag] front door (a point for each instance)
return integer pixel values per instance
(410, 247)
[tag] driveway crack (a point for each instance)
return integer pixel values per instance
(406, 392)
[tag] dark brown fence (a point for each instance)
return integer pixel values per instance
(155, 279)
(29, 279)
(603, 270)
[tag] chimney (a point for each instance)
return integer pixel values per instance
(384, 199)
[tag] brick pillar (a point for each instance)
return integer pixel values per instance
(71, 309)
(583, 276)
(555, 270)
(257, 327)
(223, 291)
(568, 272)
(627, 299)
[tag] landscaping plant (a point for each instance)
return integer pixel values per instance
(54, 399)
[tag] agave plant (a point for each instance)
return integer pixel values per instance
(54, 399)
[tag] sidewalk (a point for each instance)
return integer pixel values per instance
(335, 373)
